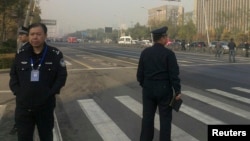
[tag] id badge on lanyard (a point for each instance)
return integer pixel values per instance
(34, 76)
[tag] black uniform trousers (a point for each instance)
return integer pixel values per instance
(27, 119)
(156, 94)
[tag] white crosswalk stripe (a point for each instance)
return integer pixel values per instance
(242, 89)
(108, 130)
(136, 107)
(230, 95)
(2, 109)
(218, 104)
(201, 116)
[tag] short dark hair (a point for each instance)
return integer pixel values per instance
(157, 37)
(38, 25)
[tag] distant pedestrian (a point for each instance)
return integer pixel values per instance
(38, 73)
(232, 47)
(157, 74)
(246, 49)
(218, 49)
(183, 43)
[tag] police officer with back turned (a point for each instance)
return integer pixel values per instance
(37, 75)
(158, 75)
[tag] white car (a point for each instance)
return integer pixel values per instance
(224, 45)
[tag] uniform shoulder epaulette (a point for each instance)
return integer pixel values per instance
(23, 48)
(55, 50)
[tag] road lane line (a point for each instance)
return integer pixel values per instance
(218, 104)
(107, 129)
(177, 133)
(67, 63)
(56, 130)
(87, 66)
(5, 91)
(2, 109)
(230, 95)
(242, 89)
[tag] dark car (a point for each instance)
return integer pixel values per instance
(174, 45)
(199, 44)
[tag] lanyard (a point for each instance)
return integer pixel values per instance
(31, 60)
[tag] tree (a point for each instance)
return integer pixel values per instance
(12, 15)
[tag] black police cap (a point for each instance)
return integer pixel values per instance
(23, 30)
(161, 31)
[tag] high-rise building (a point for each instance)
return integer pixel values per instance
(232, 15)
(166, 13)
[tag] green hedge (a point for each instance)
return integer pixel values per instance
(7, 51)
(5, 63)
(9, 46)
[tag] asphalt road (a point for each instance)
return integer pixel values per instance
(102, 100)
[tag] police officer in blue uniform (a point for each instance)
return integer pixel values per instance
(158, 75)
(37, 75)
(23, 39)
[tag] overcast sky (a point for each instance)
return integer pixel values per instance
(73, 15)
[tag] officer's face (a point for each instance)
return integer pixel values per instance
(23, 38)
(37, 36)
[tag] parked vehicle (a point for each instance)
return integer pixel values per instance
(72, 40)
(199, 44)
(125, 40)
(224, 45)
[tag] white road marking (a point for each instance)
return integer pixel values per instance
(107, 129)
(5, 91)
(230, 95)
(242, 89)
(218, 104)
(177, 133)
(2, 109)
(201, 116)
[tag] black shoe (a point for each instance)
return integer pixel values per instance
(13, 131)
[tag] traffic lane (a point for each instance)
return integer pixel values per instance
(90, 83)
(90, 60)
(102, 86)
(217, 76)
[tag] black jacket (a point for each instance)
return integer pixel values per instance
(158, 63)
(53, 74)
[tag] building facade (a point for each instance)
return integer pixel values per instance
(231, 15)
(166, 13)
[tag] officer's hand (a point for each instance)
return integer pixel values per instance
(178, 97)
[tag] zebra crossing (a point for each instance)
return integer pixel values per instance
(110, 131)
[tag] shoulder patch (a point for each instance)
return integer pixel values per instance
(62, 63)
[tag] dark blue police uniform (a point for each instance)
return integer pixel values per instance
(158, 73)
(35, 99)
